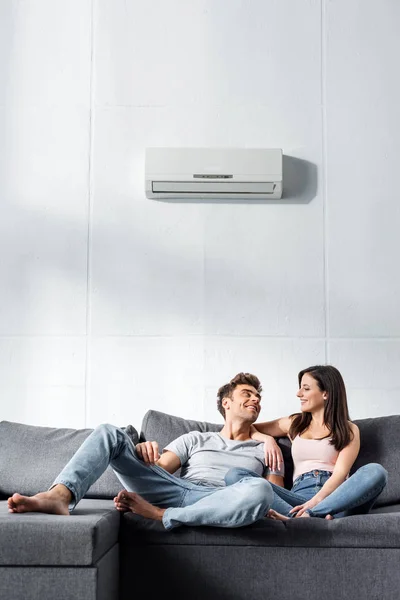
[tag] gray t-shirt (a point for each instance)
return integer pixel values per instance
(207, 456)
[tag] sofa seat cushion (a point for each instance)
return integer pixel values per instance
(358, 531)
(80, 539)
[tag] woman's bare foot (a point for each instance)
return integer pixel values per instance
(55, 502)
(272, 514)
(130, 501)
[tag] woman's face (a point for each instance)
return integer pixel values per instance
(311, 397)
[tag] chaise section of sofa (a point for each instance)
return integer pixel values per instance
(52, 556)
(45, 556)
(355, 557)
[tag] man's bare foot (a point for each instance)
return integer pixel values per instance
(329, 518)
(130, 501)
(272, 514)
(55, 502)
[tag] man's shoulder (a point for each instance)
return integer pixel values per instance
(203, 435)
(198, 435)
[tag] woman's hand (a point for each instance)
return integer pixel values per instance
(301, 508)
(148, 452)
(273, 454)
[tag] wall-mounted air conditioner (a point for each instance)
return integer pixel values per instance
(228, 173)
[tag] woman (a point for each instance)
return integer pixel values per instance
(325, 444)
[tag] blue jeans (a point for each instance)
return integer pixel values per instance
(243, 503)
(356, 495)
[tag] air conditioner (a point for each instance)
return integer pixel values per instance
(228, 173)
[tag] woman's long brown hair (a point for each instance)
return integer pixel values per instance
(336, 412)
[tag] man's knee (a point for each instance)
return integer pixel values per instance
(260, 491)
(109, 431)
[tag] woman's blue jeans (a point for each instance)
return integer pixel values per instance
(243, 503)
(356, 495)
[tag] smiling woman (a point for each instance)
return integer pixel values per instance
(325, 444)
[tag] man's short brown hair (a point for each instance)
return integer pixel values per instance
(225, 391)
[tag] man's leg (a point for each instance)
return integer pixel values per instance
(106, 445)
(283, 500)
(238, 505)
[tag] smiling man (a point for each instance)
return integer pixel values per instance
(201, 495)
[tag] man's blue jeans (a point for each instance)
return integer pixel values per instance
(187, 503)
(356, 495)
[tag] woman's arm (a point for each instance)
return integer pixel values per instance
(344, 462)
(266, 432)
(277, 428)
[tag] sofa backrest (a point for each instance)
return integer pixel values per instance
(31, 457)
(379, 443)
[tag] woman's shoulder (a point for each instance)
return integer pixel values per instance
(354, 428)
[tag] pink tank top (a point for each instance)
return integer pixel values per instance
(309, 455)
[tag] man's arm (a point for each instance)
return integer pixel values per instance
(276, 479)
(149, 453)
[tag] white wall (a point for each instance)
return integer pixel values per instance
(111, 303)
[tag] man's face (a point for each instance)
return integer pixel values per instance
(245, 403)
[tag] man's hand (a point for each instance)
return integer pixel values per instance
(148, 452)
(273, 454)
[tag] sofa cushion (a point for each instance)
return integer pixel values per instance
(41, 539)
(377, 530)
(31, 457)
(380, 443)
(163, 428)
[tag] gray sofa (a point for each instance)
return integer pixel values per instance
(98, 554)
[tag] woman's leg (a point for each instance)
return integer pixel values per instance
(358, 491)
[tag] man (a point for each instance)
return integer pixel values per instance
(200, 496)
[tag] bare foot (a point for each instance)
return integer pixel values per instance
(126, 501)
(54, 502)
(272, 514)
(329, 518)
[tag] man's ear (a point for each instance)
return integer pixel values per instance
(226, 402)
